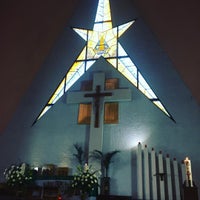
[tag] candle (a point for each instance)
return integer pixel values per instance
(188, 170)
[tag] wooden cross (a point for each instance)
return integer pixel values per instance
(98, 97)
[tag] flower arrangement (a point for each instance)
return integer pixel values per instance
(85, 181)
(18, 175)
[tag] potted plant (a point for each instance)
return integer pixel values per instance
(105, 160)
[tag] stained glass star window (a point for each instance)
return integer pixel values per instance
(102, 41)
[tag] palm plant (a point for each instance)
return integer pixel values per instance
(105, 160)
(80, 154)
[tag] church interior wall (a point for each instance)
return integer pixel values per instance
(51, 139)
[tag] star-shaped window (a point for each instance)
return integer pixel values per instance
(102, 41)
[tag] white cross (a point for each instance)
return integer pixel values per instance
(98, 96)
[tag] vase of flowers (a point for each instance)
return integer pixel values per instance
(18, 177)
(85, 181)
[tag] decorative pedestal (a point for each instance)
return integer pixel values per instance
(190, 193)
(105, 186)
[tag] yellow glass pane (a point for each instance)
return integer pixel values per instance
(81, 32)
(89, 64)
(81, 56)
(56, 93)
(144, 87)
(124, 27)
(159, 105)
(103, 14)
(44, 111)
(127, 74)
(111, 113)
(84, 115)
(111, 84)
(113, 62)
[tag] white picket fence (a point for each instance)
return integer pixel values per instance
(158, 176)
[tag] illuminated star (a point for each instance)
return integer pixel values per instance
(102, 41)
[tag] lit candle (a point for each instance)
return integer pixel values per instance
(188, 170)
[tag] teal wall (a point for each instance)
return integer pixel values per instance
(51, 139)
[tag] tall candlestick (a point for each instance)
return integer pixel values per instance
(139, 172)
(153, 173)
(183, 175)
(188, 170)
(146, 174)
(176, 179)
(161, 172)
(169, 178)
